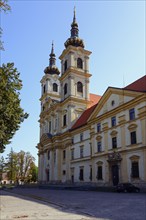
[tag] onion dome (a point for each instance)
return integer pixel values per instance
(52, 69)
(74, 40)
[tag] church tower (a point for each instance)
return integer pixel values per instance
(74, 80)
(50, 82)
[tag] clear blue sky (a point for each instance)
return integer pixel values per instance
(113, 30)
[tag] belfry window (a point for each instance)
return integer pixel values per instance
(79, 87)
(55, 87)
(44, 88)
(79, 63)
(65, 65)
(64, 120)
(65, 89)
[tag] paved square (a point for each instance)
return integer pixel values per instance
(71, 204)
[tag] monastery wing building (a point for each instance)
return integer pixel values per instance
(86, 138)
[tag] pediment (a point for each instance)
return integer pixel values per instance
(132, 126)
(112, 98)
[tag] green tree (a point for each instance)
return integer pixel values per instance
(11, 165)
(25, 160)
(2, 166)
(33, 173)
(3, 7)
(21, 167)
(11, 113)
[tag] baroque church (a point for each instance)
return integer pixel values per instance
(86, 138)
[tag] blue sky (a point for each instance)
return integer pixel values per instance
(113, 30)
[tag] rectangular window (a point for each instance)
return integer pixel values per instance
(72, 140)
(81, 175)
(64, 120)
(114, 142)
(72, 154)
(113, 121)
(132, 114)
(44, 89)
(90, 177)
(49, 126)
(99, 173)
(64, 172)
(98, 127)
(81, 137)
(133, 137)
(64, 154)
(99, 146)
(135, 170)
(81, 152)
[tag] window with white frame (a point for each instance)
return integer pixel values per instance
(99, 172)
(81, 151)
(81, 137)
(81, 174)
(113, 121)
(133, 137)
(132, 114)
(99, 146)
(72, 154)
(98, 127)
(135, 169)
(114, 142)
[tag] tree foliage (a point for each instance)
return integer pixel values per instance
(11, 113)
(20, 167)
(3, 7)
(2, 165)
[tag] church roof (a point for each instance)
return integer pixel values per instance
(94, 99)
(139, 85)
(84, 117)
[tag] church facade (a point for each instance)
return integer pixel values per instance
(86, 138)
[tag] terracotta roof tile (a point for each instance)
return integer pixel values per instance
(94, 99)
(139, 85)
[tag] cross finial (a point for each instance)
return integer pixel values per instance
(74, 19)
(52, 51)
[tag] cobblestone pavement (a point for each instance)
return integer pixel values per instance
(67, 205)
(14, 206)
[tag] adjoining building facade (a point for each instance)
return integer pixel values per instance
(86, 138)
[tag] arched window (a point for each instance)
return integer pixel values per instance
(79, 87)
(65, 89)
(65, 65)
(55, 87)
(44, 88)
(79, 63)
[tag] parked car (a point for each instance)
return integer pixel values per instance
(127, 187)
